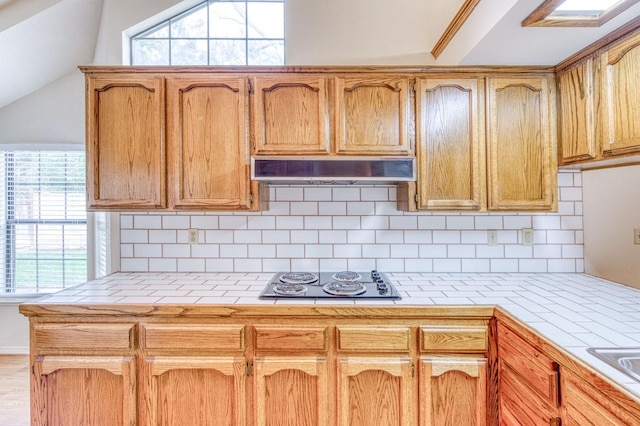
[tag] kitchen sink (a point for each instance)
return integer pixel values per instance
(626, 360)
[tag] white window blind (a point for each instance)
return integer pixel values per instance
(43, 220)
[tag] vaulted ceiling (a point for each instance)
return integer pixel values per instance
(44, 40)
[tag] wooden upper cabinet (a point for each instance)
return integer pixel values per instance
(620, 85)
(450, 144)
(372, 115)
(208, 143)
(125, 142)
(521, 143)
(290, 114)
(577, 93)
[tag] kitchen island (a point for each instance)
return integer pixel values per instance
(139, 342)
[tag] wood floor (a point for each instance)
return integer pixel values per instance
(14, 390)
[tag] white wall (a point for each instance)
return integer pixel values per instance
(611, 212)
(14, 332)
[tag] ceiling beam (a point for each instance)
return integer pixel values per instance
(454, 26)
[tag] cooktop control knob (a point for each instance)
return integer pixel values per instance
(375, 275)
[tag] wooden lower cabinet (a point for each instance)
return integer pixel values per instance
(375, 391)
(193, 391)
(291, 391)
(83, 390)
(453, 391)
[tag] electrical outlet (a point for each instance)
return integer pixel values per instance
(636, 236)
(193, 236)
(492, 237)
(527, 237)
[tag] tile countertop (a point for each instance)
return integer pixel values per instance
(574, 311)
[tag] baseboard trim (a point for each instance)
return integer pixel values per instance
(14, 350)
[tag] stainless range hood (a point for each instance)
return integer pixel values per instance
(333, 170)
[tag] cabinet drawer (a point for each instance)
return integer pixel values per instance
(518, 401)
(454, 338)
(373, 339)
(274, 337)
(194, 336)
(537, 369)
(113, 337)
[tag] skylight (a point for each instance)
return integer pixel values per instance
(576, 13)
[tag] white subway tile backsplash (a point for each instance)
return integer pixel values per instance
(333, 237)
(358, 228)
(147, 222)
(163, 236)
(304, 208)
(175, 222)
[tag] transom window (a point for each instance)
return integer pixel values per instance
(216, 32)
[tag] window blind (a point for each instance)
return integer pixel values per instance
(43, 235)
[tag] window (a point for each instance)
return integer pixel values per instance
(576, 13)
(44, 220)
(216, 32)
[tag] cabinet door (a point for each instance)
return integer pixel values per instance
(193, 391)
(577, 112)
(376, 391)
(620, 115)
(292, 391)
(453, 391)
(522, 159)
(290, 115)
(372, 115)
(450, 144)
(208, 143)
(125, 142)
(83, 390)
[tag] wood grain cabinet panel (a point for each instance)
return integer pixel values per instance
(372, 115)
(454, 338)
(536, 368)
(620, 83)
(521, 143)
(376, 391)
(126, 165)
(181, 337)
(373, 338)
(287, 338)
(453, 391)
(290, 114)
(292, 391)
(208, 150)
(450, 144)
(577, 121)
(114, 337)
(83, 390)
(518, 406)
(193, 391)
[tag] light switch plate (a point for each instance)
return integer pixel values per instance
(527, 237)
(636, 236)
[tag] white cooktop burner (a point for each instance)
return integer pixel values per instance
(299, 277)
(346, 276)
(345, 288)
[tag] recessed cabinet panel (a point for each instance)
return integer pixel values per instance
(290, 115)
(292, 391)
(450, 144)
(282, 338)
(194, 336)
(375, 391)
(84, 390)
(378, 338)
(372, 115)
(208, 143)
(125, 142)
(620, 116)
(443, 377)
(116, 337)
(577, 112)
(522, 162)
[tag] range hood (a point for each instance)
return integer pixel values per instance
(333, 170)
